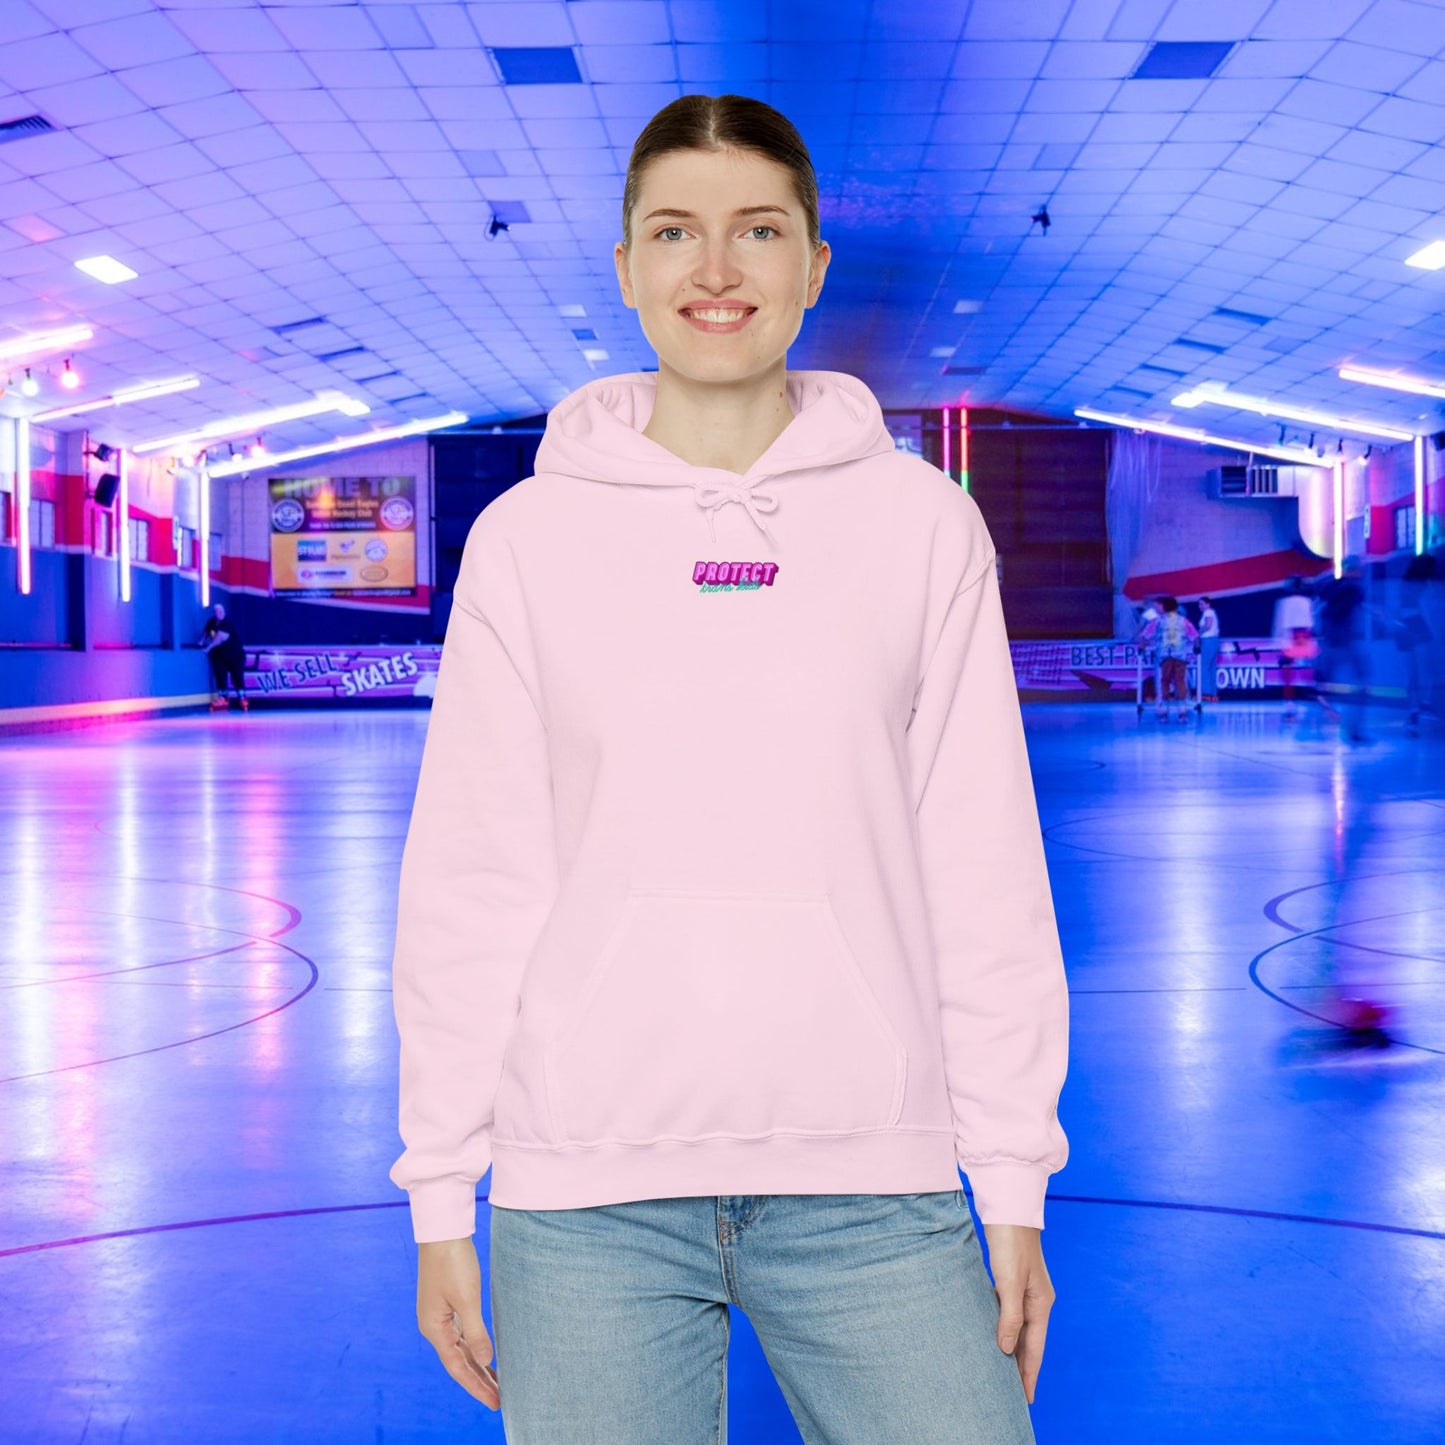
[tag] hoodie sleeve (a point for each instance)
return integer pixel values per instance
(478, 877)
(1002, 989)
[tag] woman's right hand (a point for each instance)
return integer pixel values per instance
(449, 1315)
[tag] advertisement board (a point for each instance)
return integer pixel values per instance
(343, 674)
(1109, 669)
(1104, 670)
(343, 536)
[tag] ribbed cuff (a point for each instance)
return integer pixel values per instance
(1008, 1193)
(443, 1208)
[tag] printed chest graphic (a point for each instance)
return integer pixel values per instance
(733, 576)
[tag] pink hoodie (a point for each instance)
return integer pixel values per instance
(724, 874)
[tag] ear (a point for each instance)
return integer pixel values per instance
(624, 277)
(816, 272)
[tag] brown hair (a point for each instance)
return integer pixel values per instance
(716, 123)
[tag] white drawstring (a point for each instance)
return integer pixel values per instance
(754, 499)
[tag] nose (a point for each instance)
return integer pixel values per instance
(717, 268)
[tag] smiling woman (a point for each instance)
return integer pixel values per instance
(724, 935)
(725, 244)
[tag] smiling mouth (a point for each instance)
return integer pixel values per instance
(718, 313)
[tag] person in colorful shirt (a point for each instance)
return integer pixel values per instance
(1173, 636)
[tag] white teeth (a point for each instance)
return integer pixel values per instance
(729, 314)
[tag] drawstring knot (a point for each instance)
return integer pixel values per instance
(754, 500)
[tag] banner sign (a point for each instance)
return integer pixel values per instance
(343, 674)
(1245, 667)
(1104, 670)
(343, 536)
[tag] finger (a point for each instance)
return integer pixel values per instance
(1010, 1316)
(466, 1358)
(480, 1385)
(1030, 1354)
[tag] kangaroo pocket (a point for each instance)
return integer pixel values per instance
(723, 1014)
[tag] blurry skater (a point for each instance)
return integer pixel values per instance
(1415, 638)
(1343, 668)
(659, 973)
(222, 644)
(1294, 635)
(1173, 636)
(1208, 651)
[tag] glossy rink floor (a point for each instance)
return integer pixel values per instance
(199, 1243)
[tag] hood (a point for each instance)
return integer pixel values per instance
(596, 433)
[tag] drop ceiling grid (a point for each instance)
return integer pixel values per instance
(969, 124)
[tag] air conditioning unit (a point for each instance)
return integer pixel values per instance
(1266, 479)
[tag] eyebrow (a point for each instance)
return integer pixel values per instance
(740, 212)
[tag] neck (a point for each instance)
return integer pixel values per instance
(727, 425)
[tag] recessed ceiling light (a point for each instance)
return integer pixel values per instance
(107, 269)
(1428, 258)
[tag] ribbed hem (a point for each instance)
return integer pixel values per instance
(885, 1162)
(443, 1209)
(1008, 1193)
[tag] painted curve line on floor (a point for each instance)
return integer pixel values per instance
(1272, 908)
(1302, 933)
(293, 918)
(270, 1214)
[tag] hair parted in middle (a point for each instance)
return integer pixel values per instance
(719, 123)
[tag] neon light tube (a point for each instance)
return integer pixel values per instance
(1419, 496)
(365, 439)
(322, 402)
(1262, 406)
(22, 502)
(1190, 434)
(947, 449)
(35, 341)
(963, 447)
(1392, 381)
(123, 522)
(1339, 509)
(203, 568)
(120, 398)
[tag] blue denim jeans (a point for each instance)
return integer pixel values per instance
(875, 1313)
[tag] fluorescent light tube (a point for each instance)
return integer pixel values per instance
(341, 444)
(1263, 406)
(34, 341)
(1191, 434)
(321, 403)
(1392, 381)
(107, 269)
(120, 398)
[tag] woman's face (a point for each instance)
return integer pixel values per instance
(719, 231)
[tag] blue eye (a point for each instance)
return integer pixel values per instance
(765, 228)
(666, 229)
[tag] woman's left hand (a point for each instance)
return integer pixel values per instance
(1025, 1296)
